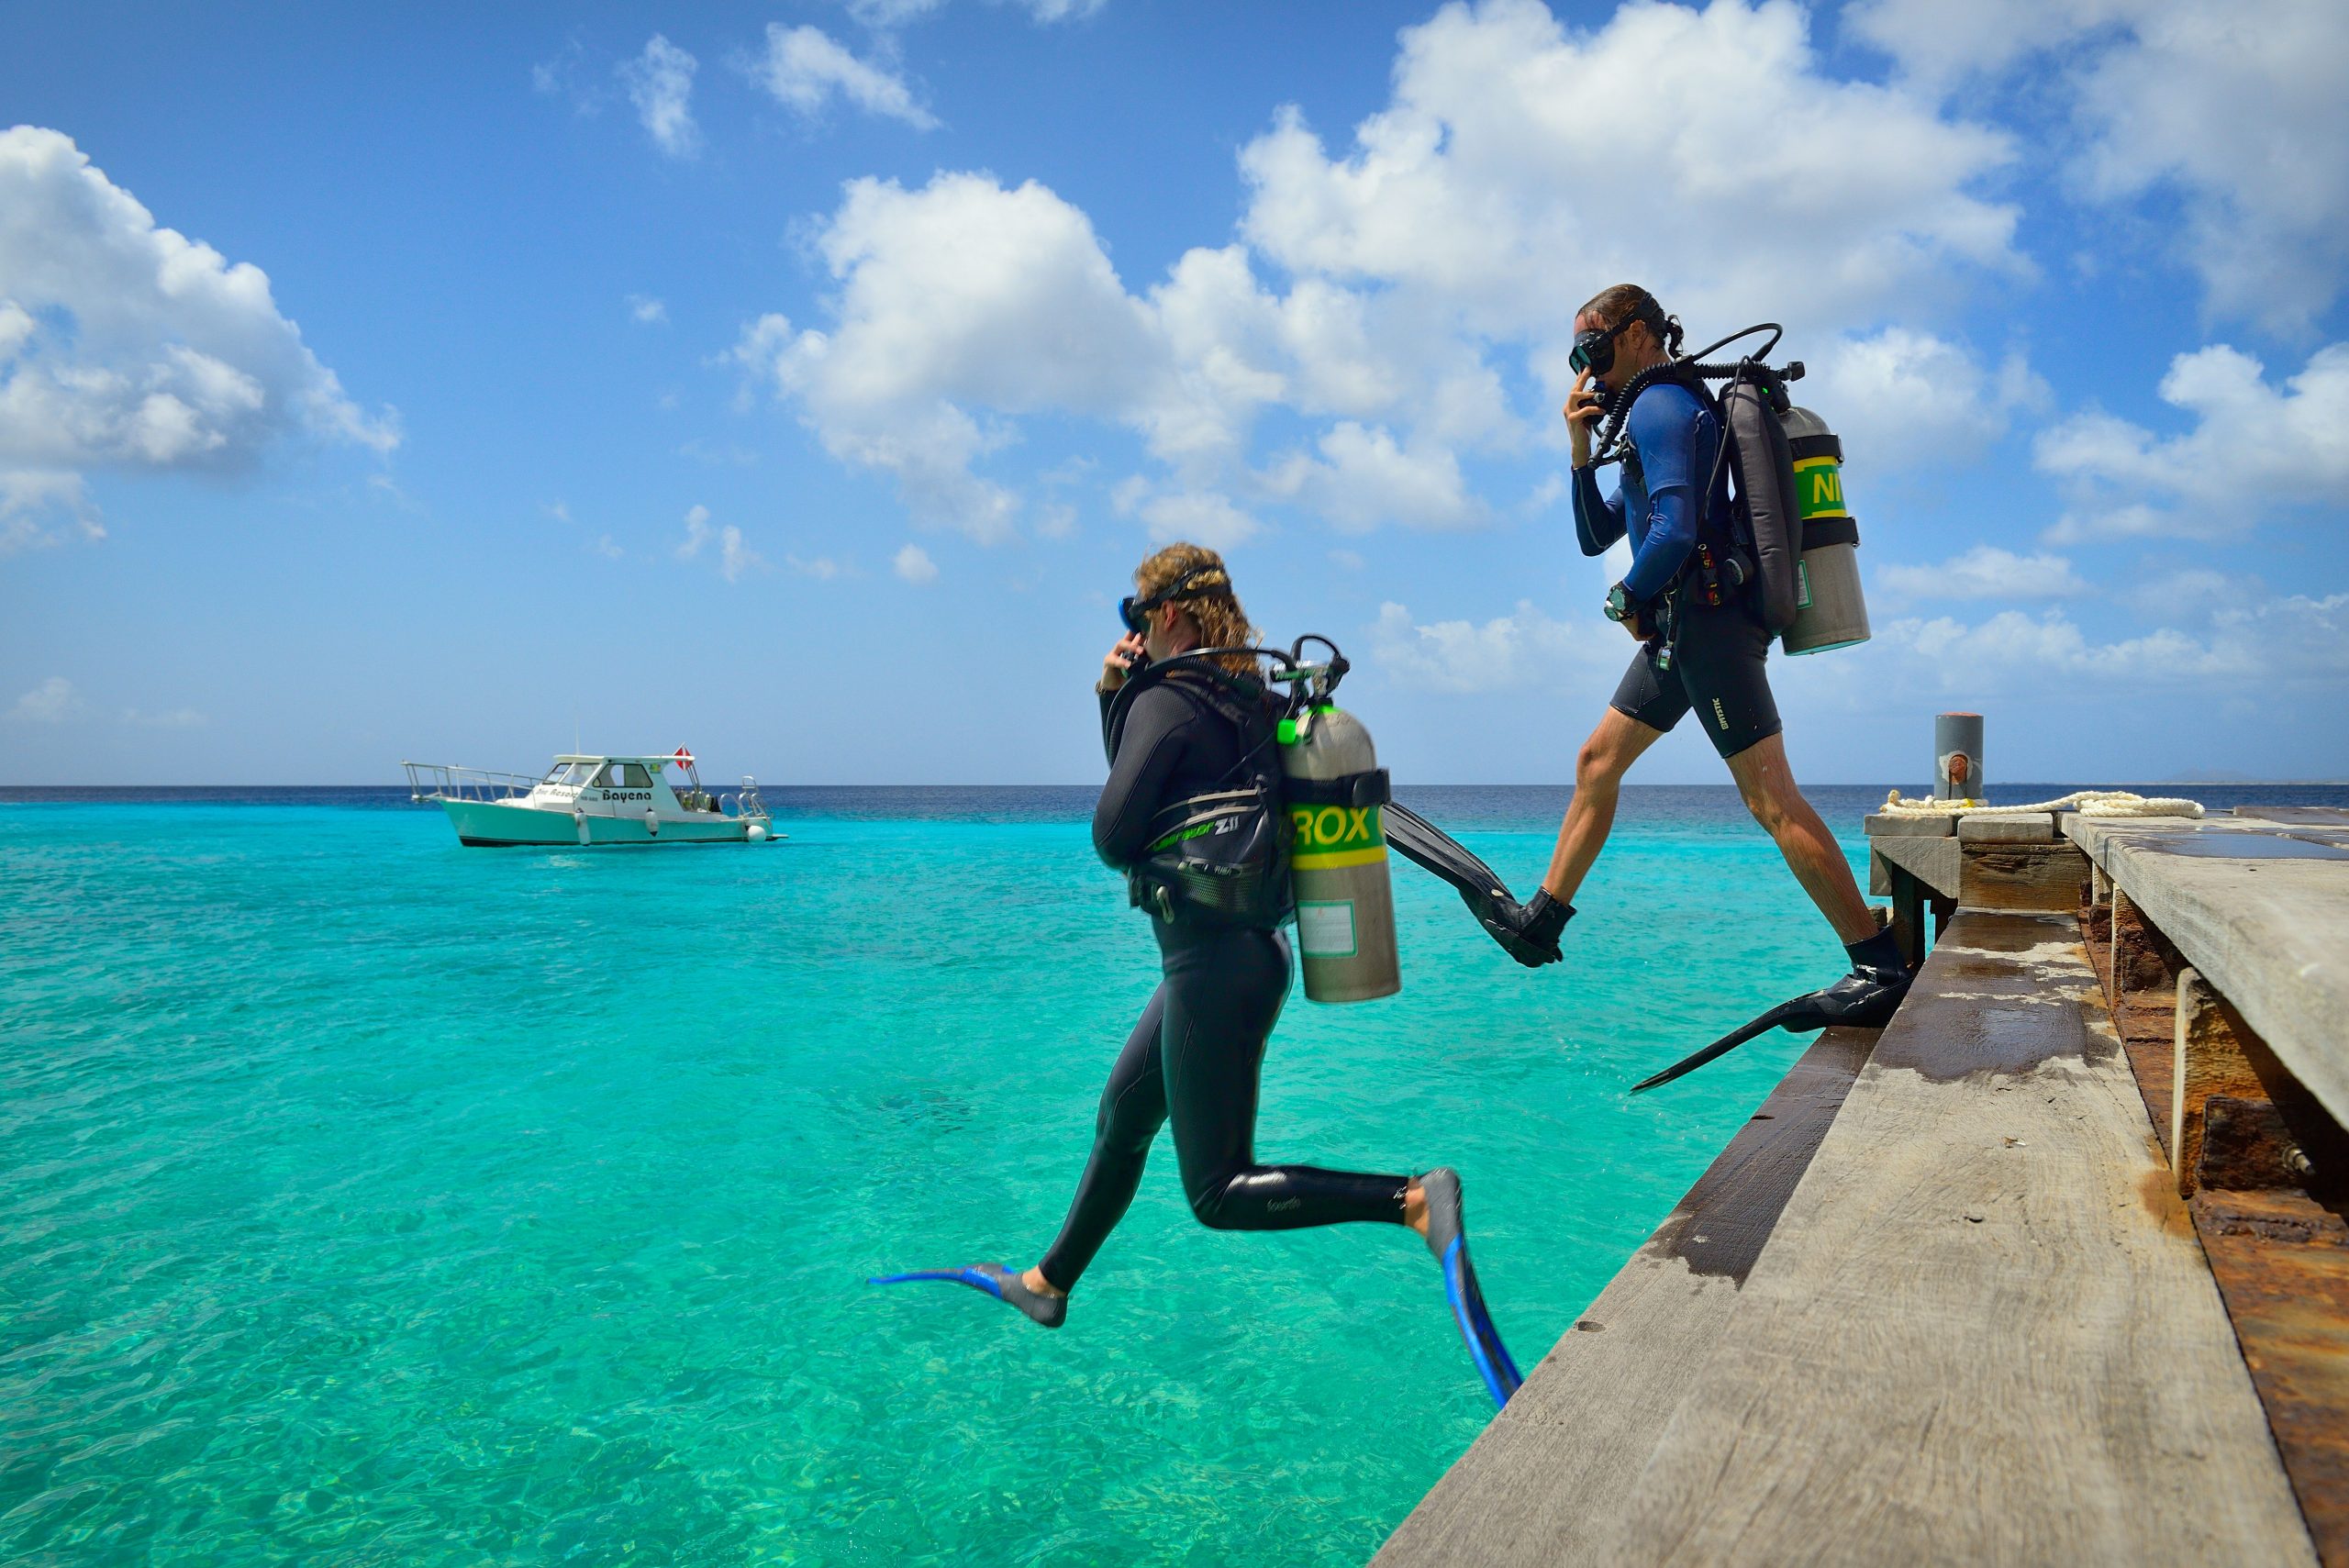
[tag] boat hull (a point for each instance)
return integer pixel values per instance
(489, 824)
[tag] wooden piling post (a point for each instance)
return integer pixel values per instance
(2208, 1060)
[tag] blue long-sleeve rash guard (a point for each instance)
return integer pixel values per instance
(1675, 441)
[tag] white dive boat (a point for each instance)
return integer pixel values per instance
(592, 800)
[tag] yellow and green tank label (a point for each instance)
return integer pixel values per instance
(1330, 837)
(1819, 488)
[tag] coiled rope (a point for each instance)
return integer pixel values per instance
(2086, 802)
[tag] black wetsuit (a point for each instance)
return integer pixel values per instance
(1194, 1056)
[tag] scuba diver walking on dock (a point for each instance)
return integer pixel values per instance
(1690, 602)
(1193, 814)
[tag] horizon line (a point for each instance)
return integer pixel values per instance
(1859, 784)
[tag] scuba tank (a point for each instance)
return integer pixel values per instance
(1336, 790)
(1830, 611)
(1303, 835)
(1788, 471)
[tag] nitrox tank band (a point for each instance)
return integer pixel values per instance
(1830, 611)
(1335, 793)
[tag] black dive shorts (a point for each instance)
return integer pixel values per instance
(1718, 669)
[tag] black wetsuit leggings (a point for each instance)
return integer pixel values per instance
(1193, 1058)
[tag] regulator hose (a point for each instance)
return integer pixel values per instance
(1693, 367)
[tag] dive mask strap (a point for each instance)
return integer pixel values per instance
(1133, 607)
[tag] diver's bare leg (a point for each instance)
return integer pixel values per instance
(1599, 767)
(1767, 783)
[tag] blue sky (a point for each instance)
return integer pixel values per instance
(802, 382)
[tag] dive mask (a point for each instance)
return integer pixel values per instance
(1134, 609)
(1595, 347)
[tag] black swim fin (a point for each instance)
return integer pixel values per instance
(1867, 997)
(1529, 933)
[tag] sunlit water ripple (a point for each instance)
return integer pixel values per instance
(372, 1200)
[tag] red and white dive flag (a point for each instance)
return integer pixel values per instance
(684, 758)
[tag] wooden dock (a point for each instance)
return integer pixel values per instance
(1941, 1299)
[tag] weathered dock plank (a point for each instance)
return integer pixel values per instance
(1984, 1331)
(1588, 1416)
(2024, 828)
(1981, 1330)
(2262, 914)
(1932, 860)
(2022, 879)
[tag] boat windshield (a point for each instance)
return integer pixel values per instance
(570, 773)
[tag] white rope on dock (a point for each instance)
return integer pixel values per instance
(2086, 802)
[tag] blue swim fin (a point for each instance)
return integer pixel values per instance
(1002, 1284)
(1447, 1239)
(1476, 1325)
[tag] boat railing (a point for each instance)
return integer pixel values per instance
(744, 804)
(446, 781)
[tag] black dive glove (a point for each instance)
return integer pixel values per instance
(1527, 932)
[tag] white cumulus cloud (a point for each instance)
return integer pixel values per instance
(913, 564)
(2015, 651)
(52, 702)
(885, 15)
(646, 311)
(1985, 571)
(126, 346)
(2252, 447)
(1362, 478)
(660, 82)
(1387, 295)
(804, 67)
(27, 497)
(1198, 518)
(1525, 648)
(959, 296)
(1515, 154)
(2237, 110)
(736, 558)
(1905, 398)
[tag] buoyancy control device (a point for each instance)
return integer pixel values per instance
(1221, 857)
(1789, 511)
(1296, 828)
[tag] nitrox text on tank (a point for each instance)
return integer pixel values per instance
(1335, 793)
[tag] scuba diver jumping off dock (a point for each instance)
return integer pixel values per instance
(1215, 792)
(1711, 581)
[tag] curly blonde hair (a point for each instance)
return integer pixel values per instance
(1209, 601)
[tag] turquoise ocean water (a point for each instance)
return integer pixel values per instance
(367, 1199)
